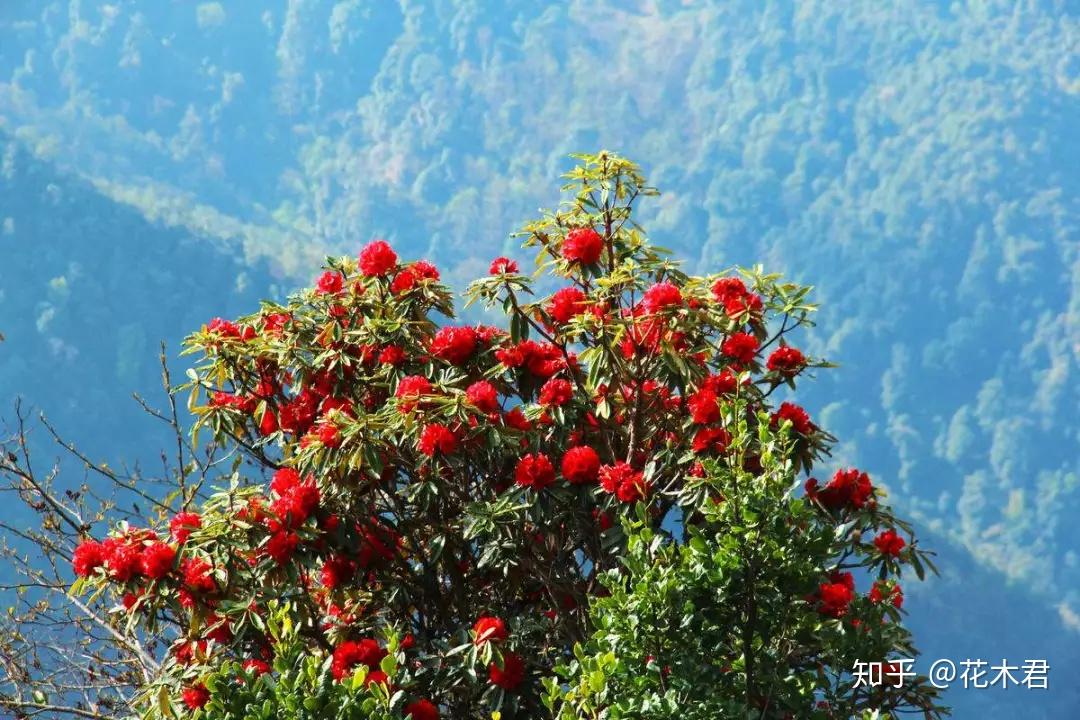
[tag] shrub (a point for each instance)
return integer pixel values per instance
(444, 502)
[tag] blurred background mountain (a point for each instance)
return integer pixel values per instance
(918, 162)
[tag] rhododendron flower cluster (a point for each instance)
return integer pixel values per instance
(464, 486)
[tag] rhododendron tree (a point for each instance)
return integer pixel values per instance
(434, 513)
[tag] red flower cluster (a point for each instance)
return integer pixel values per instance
(377, 259)
(847, 489)
(581, 465)
(422, 710)
(297, 499)
(565, 304)
(837, 594)
(889, 543)
(711, 441)
(704, 406)
(229, 329)
(541, 360)
(556, 392)
(412, 275)
(800, 421)
(489, 629)
(195, 696)
(157, 560)
(583, 245)
(88, 557)
(510, 674)
(662, 296)
(786, 360)
(503, 266)
(436, 438)
(183, 524)
(483, 396)
(330, 283)
(351, 653)
(731, 292)
(882, 590)
(455, 345)
(410, 389)
(741, 347)
(624, 482)
(534, 471)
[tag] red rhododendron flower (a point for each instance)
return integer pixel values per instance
(88, 557)
(704, 407)
(391, 355)
(122, 558)
(328, 434)
(483, 396)
(881, 591)
(422, 710)
(377, 259)
(197, 574)
(298, 415)
(227, 328)
(786, 360)
(556, 392)
(281, 546)
(335, 571)
(740, 346)
(157, 560)
(583, 245)
(736, 299)
(411, 275)
(489, 629)
(623, 481)
(565, 304)
(185, 651)
(889, 543)
(711, 440)
(376, 677)
(350, 653)
(330, 283)
(581, 465)
(256, 667)
(502, 265)
(273, 324)
(455, 345)
(436, 438)
(195, 696)
(800, 421)
(848, 488)
(837, 594)
(544, 360)
(224, 399)
(182, 525)
(534, 471)
(284, 480)
(516, 419)
(662, 295)
(296, 502)
(410, 389)
(510, 675)
(723, 384)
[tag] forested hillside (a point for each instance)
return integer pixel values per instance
(916, 161)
